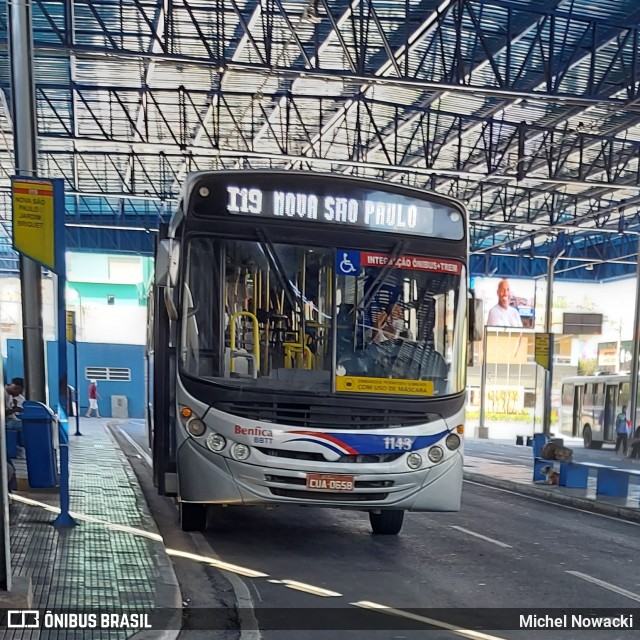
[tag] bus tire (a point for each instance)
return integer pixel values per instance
(193, 517)
(587, 438)
(387, 523)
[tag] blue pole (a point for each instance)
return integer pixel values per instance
(64, 519)
(75, 359)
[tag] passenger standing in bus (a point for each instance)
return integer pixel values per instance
(622, 432)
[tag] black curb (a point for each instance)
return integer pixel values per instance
(551, 495)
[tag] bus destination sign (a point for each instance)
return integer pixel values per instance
(360, 208)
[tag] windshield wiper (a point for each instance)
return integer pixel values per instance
(269, 250)
(369, 297)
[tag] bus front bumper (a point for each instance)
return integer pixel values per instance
(206, 477)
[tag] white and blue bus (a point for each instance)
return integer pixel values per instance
(590, 405)
(307, 345)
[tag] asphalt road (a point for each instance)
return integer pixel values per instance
(501, 551)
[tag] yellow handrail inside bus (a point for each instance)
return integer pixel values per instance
(292, 351)
(256, 339)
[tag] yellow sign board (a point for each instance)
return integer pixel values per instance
(33, 220)
(355, 384)
(543, 349)
(71, 326)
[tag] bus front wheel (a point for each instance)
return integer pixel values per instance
(193, 517)
(587, 438)
(388, 522)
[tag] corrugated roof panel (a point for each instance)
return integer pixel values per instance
(48, 18)
(450, 49)
(112, 73)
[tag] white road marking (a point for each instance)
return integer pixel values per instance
(309, 588)
(606, 585)
(214, 562)
(218, 564)
(465, 633)
(85, 518)
(137, 447)
(553, 504)
(479, 535)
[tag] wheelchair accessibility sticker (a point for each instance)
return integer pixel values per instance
(347, 262)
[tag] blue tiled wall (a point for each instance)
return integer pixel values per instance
(89, 355)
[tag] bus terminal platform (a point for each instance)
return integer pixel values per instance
(516, 478)
(113, 559)
(115, 556)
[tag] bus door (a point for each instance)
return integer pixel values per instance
(609, 422)
(576, 431)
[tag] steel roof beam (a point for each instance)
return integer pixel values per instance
(560, 74)
(176, 150)
(498, 164)
(573, 63)
(157, 44)
(516, 12)
(552, 227)
(489, 61)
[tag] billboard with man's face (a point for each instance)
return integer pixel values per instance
(507, 302)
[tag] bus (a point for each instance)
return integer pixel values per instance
(590, 405)
(307, 343)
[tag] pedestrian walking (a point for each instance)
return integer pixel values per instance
(94, 396)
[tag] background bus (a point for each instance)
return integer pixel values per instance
(307, 345)
(590, 405)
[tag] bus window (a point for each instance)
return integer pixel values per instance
(567, 394)
(623, 395)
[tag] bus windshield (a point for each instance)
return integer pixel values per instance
(316, 319)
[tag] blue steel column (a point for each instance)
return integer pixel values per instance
(5, 542)
(24, 137)
(548, 374)
(64, 519)
(636, 352)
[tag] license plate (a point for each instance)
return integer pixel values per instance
(329, 482)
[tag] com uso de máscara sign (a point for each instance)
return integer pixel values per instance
(378, 210)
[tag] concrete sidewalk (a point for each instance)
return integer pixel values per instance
(519, 479)
(114, 558)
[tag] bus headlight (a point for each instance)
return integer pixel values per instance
(216, 442)
(196, 427)
(435, 454)
(240, 451)
(414, 460)
(452, 442)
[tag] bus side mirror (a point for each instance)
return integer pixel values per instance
(166, 272)
(476, 333)
(167, 262)
(169, 303)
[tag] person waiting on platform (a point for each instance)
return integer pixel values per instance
(622, 431)
(94, 396)
(13, 401)
(635, 445)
